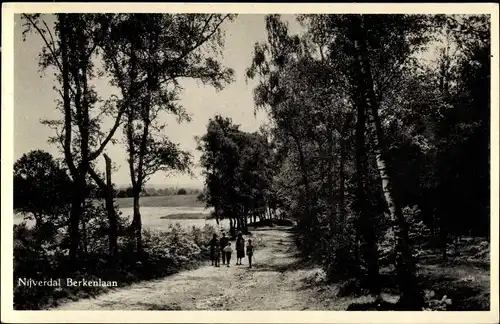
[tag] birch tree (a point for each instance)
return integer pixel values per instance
(148, 55)
(70, 49)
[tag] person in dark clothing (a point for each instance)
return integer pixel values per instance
(213, 242)
(249, 253)
(217, 255)
(223, 243)
(240, 249)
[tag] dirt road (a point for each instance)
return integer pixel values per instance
(277, 281)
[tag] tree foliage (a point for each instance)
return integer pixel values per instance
(237, 171)
(146, 56)
(41, 187)
(363, 127)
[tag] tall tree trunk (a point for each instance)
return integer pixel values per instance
(136, 154)
(443, 88)
(217, 214)
(270, 216)
(231, 227)
(84, 239)
(238, 223)
(107, 188)
(110, 208)
(137, 221)
(75, 216)
(342, 209)
(77, 201)
(365, 231)
(333, 220)
(310, 218)
(411, 296)
(245, 222)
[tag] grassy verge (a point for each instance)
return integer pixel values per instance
(464, 278)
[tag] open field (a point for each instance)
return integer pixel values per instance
(182, 216)
(162, 201)
(160, 211)
(160, 218)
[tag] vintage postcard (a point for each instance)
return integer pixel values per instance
(263, 163)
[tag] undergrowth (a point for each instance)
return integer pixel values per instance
(164, 253)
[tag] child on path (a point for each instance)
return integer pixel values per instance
(249, 253)
(223, 242)
(228, 250)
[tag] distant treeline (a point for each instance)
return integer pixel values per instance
(170, 191)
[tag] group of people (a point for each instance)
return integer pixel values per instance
(223, 248)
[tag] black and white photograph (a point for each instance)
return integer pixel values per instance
(236, 161)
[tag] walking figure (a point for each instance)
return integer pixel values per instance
(223, 243)
(213, 242)
(250, 253)
(217, 255)
(227, 251)
(240, 248)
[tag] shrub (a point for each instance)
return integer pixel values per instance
(435, 304)
(36, 259)
(182, 191)
(164, 254)
(201, 236)
(97, 227)
(173, 248)
(418, 232)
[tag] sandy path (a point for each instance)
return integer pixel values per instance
(276, 282)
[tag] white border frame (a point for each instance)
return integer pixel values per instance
(11, 316)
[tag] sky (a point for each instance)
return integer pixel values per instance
(34, 99)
